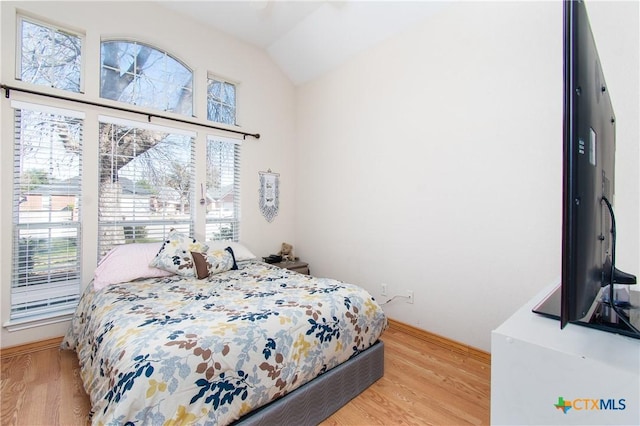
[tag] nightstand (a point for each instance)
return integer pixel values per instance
(294, 265)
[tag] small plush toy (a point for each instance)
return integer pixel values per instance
(286, 252)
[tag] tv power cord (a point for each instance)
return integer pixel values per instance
(612, 274)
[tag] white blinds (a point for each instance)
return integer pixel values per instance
(146, 187)
(223, 189)
(46, 208)
(146, 182)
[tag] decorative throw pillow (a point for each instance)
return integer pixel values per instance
(213, 262)
(175, 254)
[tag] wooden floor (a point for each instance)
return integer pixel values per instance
(424, 383)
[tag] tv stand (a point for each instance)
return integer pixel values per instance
(534, 363)
(600, 316)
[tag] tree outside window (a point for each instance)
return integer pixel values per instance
(138, 74)
(221, 101)
(49, 56)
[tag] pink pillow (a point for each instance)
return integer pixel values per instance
(128, 262)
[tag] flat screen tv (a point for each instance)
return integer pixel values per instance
(592, 292)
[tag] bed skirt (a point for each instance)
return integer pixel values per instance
(313, 402)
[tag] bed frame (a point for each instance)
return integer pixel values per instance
(313, 402)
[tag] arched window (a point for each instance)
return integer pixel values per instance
(138, 74)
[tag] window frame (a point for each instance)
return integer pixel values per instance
(163, 222)
(71, 289)
(164, 53)
(91, 111)
(215, 77)
(234, 220)
(22, 17)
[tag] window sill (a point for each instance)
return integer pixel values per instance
(26, 323)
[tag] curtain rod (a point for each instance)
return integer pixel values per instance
(7, 92)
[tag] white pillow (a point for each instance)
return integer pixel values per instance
(128, 262)
(240, 252)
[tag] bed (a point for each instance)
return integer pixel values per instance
(252, 345)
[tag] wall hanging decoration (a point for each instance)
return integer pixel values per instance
(269, 194)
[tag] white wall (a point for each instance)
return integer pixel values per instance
(265, 102)
(432, 163)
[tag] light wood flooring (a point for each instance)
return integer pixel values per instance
(425, 383)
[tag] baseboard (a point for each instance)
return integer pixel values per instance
(418, 333)
(445, 342)
(30, 347)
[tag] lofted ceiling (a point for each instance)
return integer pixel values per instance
(307, 38)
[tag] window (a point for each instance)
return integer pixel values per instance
(47, 168)
(49, 56)
(138, 74)
(223, 190)
(223, 165)
(146, 172)
(146, 183)
(221, 101)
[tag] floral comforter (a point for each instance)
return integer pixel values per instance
(179, 350)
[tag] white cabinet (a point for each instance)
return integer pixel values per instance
(535, 366)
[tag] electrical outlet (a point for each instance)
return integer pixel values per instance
(383, 292)
(410, 296)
